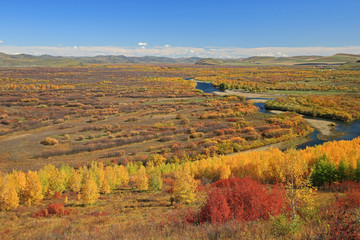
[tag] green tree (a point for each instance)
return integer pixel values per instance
(323, 172)
(155, 180)
(357, 171)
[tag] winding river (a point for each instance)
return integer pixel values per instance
(347, 131)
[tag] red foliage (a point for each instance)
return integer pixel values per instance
(57, 209)
(57, 195)
(342, 217)
(169, 181)
(345, 186)
(241, 199)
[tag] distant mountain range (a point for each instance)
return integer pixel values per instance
(341, 60)
(25, 60)
(337, 59)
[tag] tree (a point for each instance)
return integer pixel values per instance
(299, 192)
(225, 171)
(141, 179)
(122, 175)
(33, 188)
(157, 159)
(324, 172)
(89, 190)
(9, 198)
(76, 180)
(52, 179)
(111, 178)
(342, 171)
(155, 180)
(357, 171)
(19, 179)
(185, 186)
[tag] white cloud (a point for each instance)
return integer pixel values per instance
(1, 42)
(171, 51)
(142, 44)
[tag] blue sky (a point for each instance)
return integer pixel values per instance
(171, 27)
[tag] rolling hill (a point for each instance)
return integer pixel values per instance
(337, 59)
(25, 60)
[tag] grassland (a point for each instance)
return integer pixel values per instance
(123, 114)
(154, 126)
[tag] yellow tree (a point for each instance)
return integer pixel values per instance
(300, 193)
(19, 180)
(33, 188)
(111, 178)
(89, 190)
(105, 186)
(9, 198)
(225, 171)
(157, 159)
(75, 180)
(52, 179)
(122, 175)
(141, 179)
(185, 186)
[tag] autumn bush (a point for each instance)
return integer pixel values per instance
(342, 216)
(242, 199)
(55, 209)
(49, 141)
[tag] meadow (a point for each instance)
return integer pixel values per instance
(135, 151)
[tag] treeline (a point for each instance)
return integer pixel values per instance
(340, 107)
(325, 164)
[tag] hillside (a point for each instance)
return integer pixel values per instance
(24, 60)
(337, 59)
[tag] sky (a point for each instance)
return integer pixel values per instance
(226, 29)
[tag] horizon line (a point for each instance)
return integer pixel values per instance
(176, 51)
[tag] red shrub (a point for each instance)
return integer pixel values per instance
(342, 216)
(52, 209)
(56, 208)
(57, 195)
(242, 199)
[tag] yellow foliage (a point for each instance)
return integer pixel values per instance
(52, 179)
(122, 175)
(141, 179)
(19, 180)
(184, 190)
(111, 177)
(33, 188)
(157, 159)
(89, 190)
(225, 172)
(75, 180)
(9, 197)
(105, 187)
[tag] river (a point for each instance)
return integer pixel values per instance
(348, 131)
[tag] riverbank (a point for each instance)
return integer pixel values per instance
(326, 128)
(255, 97)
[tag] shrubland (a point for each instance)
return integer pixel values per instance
(136, 152)
(271, 193)
(344, 107)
